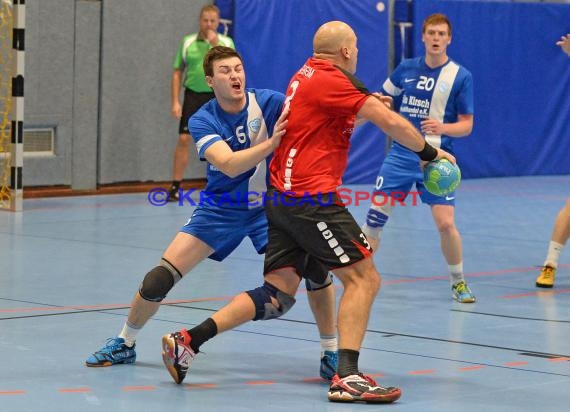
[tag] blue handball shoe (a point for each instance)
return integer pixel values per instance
(462, 293)
(329, 363)
(115, 351)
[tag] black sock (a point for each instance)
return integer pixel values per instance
(202, 333)
(175, 184)
(347, 362)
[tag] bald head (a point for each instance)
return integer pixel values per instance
(336, 41)
(331, 36)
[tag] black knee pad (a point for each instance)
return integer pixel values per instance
(158, 282)
(312, 286)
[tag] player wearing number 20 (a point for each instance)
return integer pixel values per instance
(436, 95)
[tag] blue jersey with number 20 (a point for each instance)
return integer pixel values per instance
(441, 93)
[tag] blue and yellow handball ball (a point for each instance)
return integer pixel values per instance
(441, 177)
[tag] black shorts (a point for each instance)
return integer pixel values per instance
(192, 102)
(312, 236)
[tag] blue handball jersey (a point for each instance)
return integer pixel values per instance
(441, 93)
(253, 125)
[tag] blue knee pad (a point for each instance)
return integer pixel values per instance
(264, 308)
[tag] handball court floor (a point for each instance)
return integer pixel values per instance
(70, 266)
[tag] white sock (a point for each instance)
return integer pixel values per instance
(328, 343)
(456, 273)
(554, 249)
(129, 333)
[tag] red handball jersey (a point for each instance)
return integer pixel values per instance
(313, 154)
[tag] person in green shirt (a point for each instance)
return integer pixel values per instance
(189, 73)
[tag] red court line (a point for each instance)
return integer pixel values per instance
(227, 298)
(471, 275)
(493, 190)
(414, 280)
(376, 375)
(502, 271)
(561, 359)
(515, 363)
(537, 293)
(138, 388)
(74, 390)
(109, 306)
(314, 380)
(422, 372)
(471, 368)
(46, 308)
(200, 385)
(213, 385)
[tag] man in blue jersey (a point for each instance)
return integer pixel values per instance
(436, 95)
(232, 134)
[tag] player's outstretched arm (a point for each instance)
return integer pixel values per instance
(387, 100)
(400, 130)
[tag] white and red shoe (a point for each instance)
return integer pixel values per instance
(361, 388)
(177, 354)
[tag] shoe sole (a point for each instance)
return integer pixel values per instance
(346, 397)
(109, 363)
(542, 285)
(99, 365)
(464, 301)
(167, 348)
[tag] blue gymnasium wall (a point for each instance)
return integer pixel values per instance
(275, 38)
(522, 79)
(521, 84)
